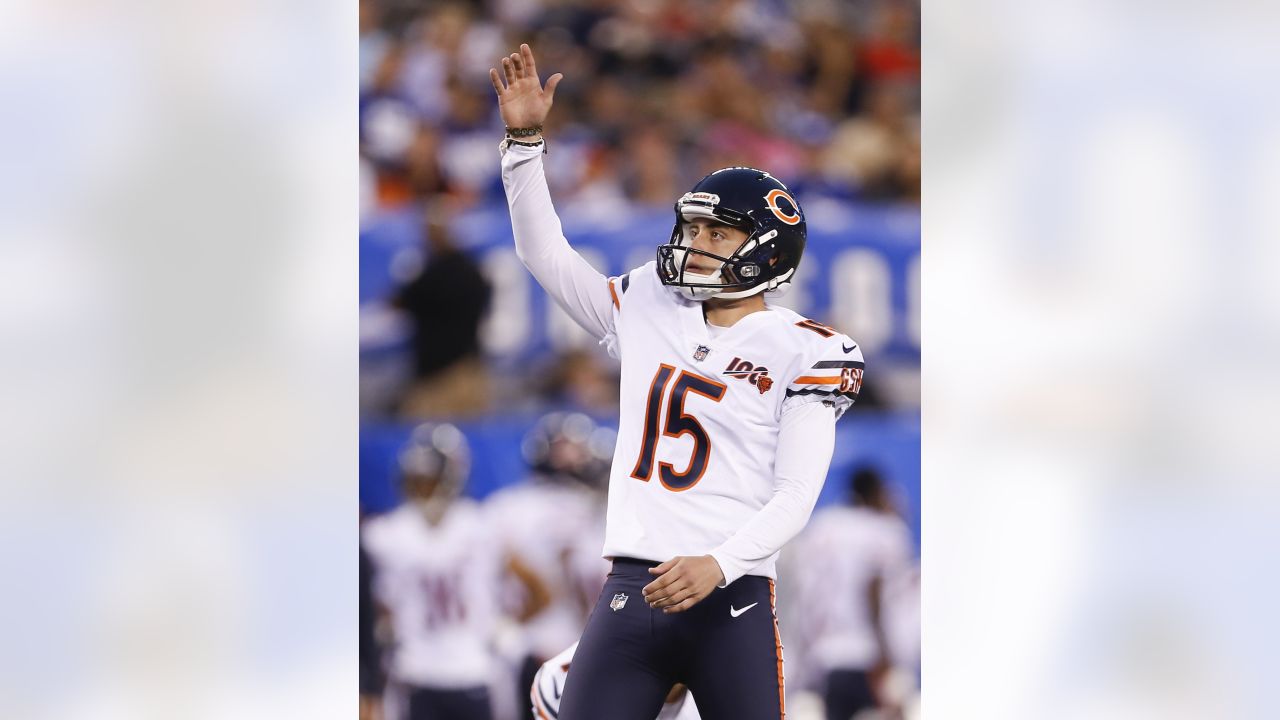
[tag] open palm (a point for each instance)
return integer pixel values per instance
(523, 101)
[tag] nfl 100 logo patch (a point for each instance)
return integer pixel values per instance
(618, 602)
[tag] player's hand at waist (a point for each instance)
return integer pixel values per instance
(682, 582)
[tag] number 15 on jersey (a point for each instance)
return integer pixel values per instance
(678, 423)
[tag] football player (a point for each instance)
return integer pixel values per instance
(726, 428)
(541, 522)
(436, 575)
(846, 558)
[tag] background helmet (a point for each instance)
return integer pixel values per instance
(754, 201)
(570, 447)
(435, 462)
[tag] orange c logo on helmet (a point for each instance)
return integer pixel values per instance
(771, 200)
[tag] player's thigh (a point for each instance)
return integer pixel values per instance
(442, 704)
(469, 704)
(736, 670)
(619, 670)
(423, 704)
(847, 693)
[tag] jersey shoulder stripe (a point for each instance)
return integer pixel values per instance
(827, 364)
(832, 368)
(613, 294)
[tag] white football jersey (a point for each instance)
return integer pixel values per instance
(548, 685)
(715, 454)
(839, 553)
(588, 571)
(439, 585)
(542, 523)
(700, 413)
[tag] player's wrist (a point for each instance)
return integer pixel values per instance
(719, 571)
(525, 132)
(535, 143)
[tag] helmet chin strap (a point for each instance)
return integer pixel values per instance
(776, 286)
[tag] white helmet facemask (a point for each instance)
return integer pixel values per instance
(680, 256)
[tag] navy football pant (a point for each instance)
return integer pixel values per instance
(848, 693)
(438, 704)
(726, 649)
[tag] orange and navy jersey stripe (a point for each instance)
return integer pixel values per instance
(541, 707)
(777, 641)
(830, 378)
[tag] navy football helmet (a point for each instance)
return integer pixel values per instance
(435, 462)
(570, 447)
(745, 198)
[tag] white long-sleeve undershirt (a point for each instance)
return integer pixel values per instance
(806, 439)
(540, 244)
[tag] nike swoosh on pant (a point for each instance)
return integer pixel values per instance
(736, 613)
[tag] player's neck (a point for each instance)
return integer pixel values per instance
(724, 313)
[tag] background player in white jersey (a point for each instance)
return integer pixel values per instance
(846, 559)
(726, 426)
(436, 575)
(543, 520)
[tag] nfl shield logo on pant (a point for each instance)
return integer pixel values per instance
(619, 601)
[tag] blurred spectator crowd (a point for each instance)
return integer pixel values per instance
(656, 94)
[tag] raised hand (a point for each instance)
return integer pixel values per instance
(523, 101)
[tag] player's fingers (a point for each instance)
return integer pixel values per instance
(657, 596)
(666, 565)
(668, 600)
(497, 81)
(552, 82)
(508, 70)
(678, 597)
(681, 607)
(669, 587)
(657, 588)
(526, 53)
(518, 63)
(679, 592)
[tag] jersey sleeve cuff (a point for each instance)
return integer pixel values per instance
(522, 150)
(731, 570)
